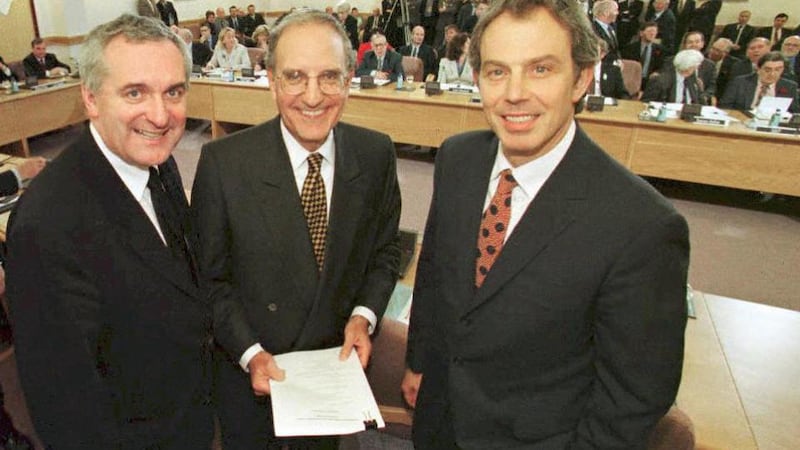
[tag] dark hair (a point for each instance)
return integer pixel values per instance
(210, 13)
(452, 25)
(306, 17)
(771, 57)
(566, 12)
(455, 47)
(781, 16)
(36, 41)
(646, 25)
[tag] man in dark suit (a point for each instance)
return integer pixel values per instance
(756, 48)
(167, 12)
(719, 54)
(790, 50)
(776, 33)
(429, 17)
(234, 20)
(251, 20)
(41, 64)
(746, 91)
(419, 49)
(683, 10)
(660, 13)
(605, 15)
(283, 274)
(349, 23)
(707, 71)
(380, 62)
(101, 262)
(607, 80)
(628, 20)
(518, 339)
(705, 18)
(740, 33)
(650, 54)
(372, 24)
(677, 81)
(200, 51)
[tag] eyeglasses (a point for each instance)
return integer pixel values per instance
(295, 82)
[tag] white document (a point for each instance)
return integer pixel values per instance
(322, 395)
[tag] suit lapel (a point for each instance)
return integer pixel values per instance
(555, 207)
(134, 227)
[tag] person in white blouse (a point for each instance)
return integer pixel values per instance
(229, 54)
(454, 68)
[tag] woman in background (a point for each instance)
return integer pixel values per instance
(454, 68)
(229, 54)
(261, 40)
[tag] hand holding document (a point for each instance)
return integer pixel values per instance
(322, 395)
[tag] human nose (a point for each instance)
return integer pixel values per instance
(313, 94)
(158, 112)
(516, 88)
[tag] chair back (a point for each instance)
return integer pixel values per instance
(256, 55)
(632, 76)
(413, 66)
(18, 69)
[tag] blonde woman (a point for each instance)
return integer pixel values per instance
(229, 54)
(454, 68)
(261, 40)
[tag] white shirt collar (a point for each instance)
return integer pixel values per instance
(135, 178)
(298, 154)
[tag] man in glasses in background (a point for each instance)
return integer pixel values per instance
(298, 219)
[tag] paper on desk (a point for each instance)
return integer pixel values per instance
(377, 81)
(322, 395)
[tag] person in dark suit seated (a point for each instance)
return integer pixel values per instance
(676, 82)
(101, 261)
(419, 49)
(706, 72)
(320, 273)
(776, 33)
(252, 20)
(746, 91)
(41, 64)
(200, 52)
(659, 12)
(381, 63)
(739, 33)
(167, 12)
(349, 23)
(473, 13)
(449, 32)
(605, 14)
(6, 74)
(789, 50)
(683, 10)
(649, 53)
(517, 339)
(607, 79)
(756, 48)
(705, 18)
(719, 54)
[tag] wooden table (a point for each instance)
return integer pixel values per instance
(733, 156)
(29, 113)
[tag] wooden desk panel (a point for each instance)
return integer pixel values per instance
(199, 101)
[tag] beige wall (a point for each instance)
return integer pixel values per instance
(17, 29)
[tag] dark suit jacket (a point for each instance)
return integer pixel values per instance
(3, 76)
(250, 23)
(368, 27)
(428, 56)
(657, 56)
(392, 64)
(661, 87)
(257, 258)
(730, 31)
(33, 68)
(111, 331)
(724, 75)
(556, 350)
(9, 184)
(168, 14)
(766, 32)
(742, 89)
(666, 30)
(705, 19)
(628, 20)
(465, 17)
(611, 41)
(682, 19)
(201, 53)
(611, 83)
(741, 67)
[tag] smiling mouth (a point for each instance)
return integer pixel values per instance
(313, 113)
(151, 134)
(519, 119)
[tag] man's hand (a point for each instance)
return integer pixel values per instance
(31, 167)
(410, 387)
(356, 334)
(379, 75)
(262, 369)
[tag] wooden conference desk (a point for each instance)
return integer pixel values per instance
(29, 113)
(733, 156)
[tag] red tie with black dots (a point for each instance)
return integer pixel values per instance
(493, 226)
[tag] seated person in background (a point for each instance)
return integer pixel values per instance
(260, 39)
(756, 48)
(419, 49)
(746, 91)
(776, 33)
(706, 72)
(676, 82)
(228, 53)
(200, 52)
(607, 76)
(207, 37)
(645, 50)
(11, 180)
(454, 68)
(211, 24)
(5, 72)
(789, 50)
(449, 32)
(719, 54)
(380, 63)
(41, 64)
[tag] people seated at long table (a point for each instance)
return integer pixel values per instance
(719, 54)
(380, 62)
(677, 81)
(706, 71)
(228, 53)
(41, 64)
(5, 72)
(607, 77)
(746, 91)
(646, 50)
(454, 67)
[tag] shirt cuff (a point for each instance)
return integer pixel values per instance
(249, 354)
(366, 313)
(19, 178)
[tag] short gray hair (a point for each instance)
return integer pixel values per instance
(308, 17)
(687, 59)
(133, 28)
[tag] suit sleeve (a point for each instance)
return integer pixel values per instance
(640, 319)
(9, 184)
(728, 100)
(60, 335)
(363, 68)
(654, 92)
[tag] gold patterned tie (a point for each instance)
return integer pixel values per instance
(493, 226)
(315, 207)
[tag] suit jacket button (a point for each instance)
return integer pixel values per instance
(272, 307)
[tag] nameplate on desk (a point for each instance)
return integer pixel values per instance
(461, 89)
(777, 130)
(715, 121)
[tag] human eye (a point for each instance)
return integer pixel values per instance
(176, 93)
(133, 94)
(294, 77)
(540, 70)
(330, 77)
(495, 73)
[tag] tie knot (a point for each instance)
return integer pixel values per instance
(154, 182)
(507, 182)
(314, 163)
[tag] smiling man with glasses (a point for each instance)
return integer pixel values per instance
(298, 220)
